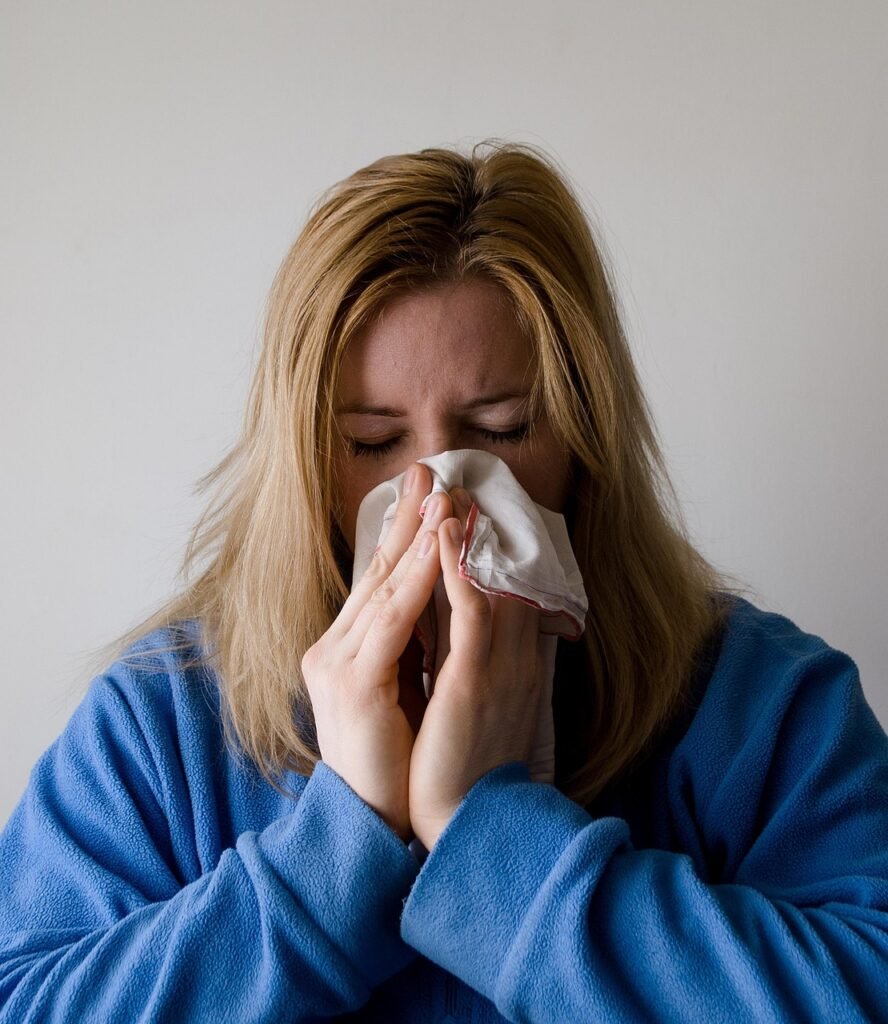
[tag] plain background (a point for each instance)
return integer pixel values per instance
(159, 159)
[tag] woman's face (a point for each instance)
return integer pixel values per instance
(432, 375)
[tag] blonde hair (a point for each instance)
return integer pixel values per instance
(275, 561)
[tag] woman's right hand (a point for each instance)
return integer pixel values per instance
(351, 672)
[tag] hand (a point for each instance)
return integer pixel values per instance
(485, 707)
(352, 671)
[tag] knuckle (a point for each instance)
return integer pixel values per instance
(381, 565)
(479, 612)
(309, 667)
(310, 658)
(383, 593)
(389, 614)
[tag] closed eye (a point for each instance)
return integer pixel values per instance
(379, 451)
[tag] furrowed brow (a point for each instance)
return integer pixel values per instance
(367, 409)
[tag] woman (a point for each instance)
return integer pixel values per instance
(254, 814)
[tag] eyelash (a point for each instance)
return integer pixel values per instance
(379, 451)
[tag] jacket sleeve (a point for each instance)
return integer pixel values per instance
(295, 922)
(555, 916)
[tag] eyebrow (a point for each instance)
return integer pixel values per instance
(364, 409)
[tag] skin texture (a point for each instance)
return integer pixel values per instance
(431, 354)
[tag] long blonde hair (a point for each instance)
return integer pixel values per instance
(275, 565)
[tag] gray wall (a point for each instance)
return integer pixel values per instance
(159, 159)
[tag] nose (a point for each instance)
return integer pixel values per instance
(434, 442)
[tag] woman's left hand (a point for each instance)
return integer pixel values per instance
(484, 708)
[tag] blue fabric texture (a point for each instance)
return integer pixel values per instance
(742, 875)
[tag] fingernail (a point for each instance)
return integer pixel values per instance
(431, 505)
(410, 480)
(461, 497)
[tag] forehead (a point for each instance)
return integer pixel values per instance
(459, 338)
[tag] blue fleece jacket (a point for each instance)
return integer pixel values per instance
(145, 875)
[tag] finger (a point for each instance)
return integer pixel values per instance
(396, 543)
(514, 623)
(515, 626)
(410, 570)
(470, 612)
(462, 504)
(385, 625)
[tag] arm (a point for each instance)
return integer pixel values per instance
(296, 921)
(555, 916)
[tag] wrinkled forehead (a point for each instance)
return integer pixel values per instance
(458, 339)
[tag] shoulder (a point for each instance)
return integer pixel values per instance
(158, 697)
(157, 673)
(753, 634)
(777, 698)
(763, 660)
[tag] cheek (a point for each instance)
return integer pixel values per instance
(544, 475)
(354, 480)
